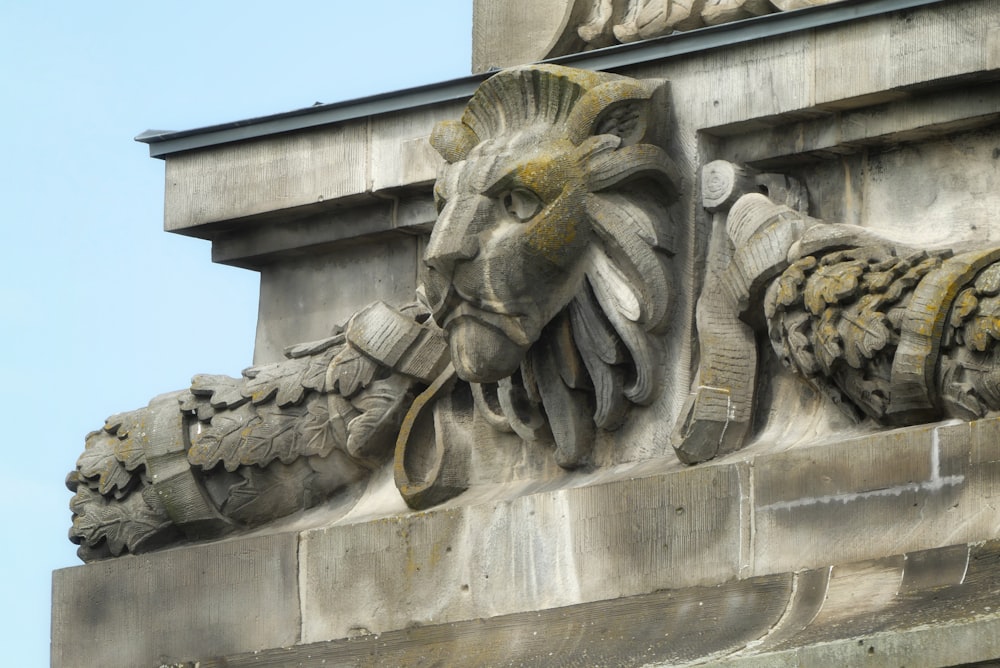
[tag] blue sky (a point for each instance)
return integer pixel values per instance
(102, 310)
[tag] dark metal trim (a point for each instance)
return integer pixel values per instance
(163, 143)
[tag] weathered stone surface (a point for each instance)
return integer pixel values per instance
(771, 81)
(556, 177)
(891, 52)
(329, 289)
(830, 136)
(401, 154)
(928, 608)
(950, 199)
(518, 32)
(230, 454)
(909, 489)
(252, 178)
(931, 608)
(548, 181)
(401, 575)
(300, 177)
(761, 81)
(526, 553)
(736, 85)
(203, 601)
(633, 631)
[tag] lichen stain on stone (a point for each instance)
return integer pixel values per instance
(551, 241)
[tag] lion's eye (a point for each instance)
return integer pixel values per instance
(522, 204)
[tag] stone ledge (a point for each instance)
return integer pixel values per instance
(923, 609)
(918, 117)
(760, 515)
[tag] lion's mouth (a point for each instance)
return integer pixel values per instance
(511, 325)
(451, 305)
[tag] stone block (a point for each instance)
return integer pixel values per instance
(887, 493)
(304, 298)
(401, 152)
(906, 170)
(941, 192)
(930, 608)
(900, 50)
(984, 441)
(740, 85)
(277, 173)
(533, 552)
(148, 610)
(257, 246)
(663, 628)
(927, 116)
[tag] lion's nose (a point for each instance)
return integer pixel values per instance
(447, 247)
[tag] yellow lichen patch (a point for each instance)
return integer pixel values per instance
(549, 172)
(551, 239)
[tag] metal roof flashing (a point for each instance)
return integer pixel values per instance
(163, 143)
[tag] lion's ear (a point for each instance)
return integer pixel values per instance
(623, 108)
(453, 140)
(611, 169)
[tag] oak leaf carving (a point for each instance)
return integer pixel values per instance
(988, 281)
(222, 440)
(966, 304)
(863, 331)
(982, 332)
(792, 279)
(124, 523)
(282, 382)
(273, 435)
(352, 371)
(831, 285)
(222, 392)
(98, 463)
(828, 347)
(253, 499)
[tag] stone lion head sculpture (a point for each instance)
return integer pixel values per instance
(548, 264)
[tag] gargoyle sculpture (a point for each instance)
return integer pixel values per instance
(549, 277)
